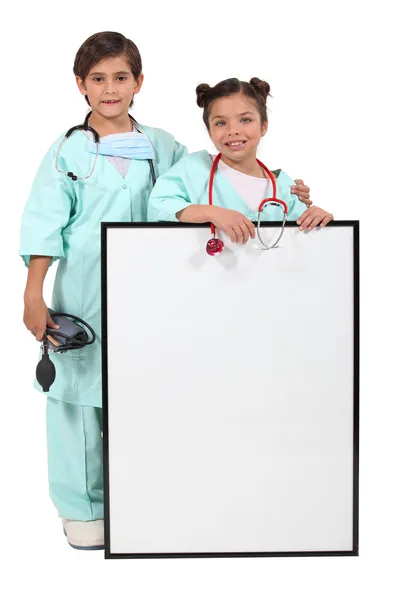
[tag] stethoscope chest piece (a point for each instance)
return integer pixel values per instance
(214, 246)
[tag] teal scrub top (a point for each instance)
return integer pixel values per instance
(62, 219)
(187, 183)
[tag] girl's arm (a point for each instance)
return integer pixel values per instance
(170, 201)
(232, 222)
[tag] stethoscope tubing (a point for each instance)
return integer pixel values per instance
(273, 201)
(86, 127)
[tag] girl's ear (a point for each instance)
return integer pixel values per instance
(81, 85)
(264, 128)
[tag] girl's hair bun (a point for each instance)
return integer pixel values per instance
(202, 91)
(261, 87)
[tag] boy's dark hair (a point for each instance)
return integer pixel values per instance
(256, 89)
(103, 45)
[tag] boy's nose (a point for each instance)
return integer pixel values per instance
(110, 87)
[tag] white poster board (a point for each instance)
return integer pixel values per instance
(230, 393)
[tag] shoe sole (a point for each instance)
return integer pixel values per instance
(101, 547)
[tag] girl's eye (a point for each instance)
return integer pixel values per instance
(97, 79)
(246, 120)
(218, 123)
(122, 78)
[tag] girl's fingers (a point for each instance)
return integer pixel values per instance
(251, 229)
(321, 218)
(306, 222)
(326, 220)
(234, 234)
(239, 233)
(313, 217)
(304, 216)
(245, 232)
(316, 221)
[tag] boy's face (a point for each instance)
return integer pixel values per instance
(235, 126)
(110, 86)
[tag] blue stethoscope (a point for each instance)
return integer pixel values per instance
(214, 245)
(86, 127)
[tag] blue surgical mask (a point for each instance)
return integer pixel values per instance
(133, 145)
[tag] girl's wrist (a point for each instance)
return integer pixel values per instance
(210, 212)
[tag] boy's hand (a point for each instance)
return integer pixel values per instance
(36, 317)
(302, 191)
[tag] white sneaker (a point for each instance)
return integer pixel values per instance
(84, 535)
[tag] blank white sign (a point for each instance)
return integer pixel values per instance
(230, 389)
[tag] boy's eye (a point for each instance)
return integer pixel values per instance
(122, 78)
(97, 79)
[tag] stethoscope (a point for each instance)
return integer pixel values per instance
(216, 246)
(86, 127)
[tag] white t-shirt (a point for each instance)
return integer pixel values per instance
(251, 189)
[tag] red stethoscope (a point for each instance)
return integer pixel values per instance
(214, 245)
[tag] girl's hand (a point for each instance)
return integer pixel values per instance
(36, 316)
(302, 191)
(312, 217)
(233, 223)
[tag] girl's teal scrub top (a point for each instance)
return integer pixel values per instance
(62, 219)
(187, 183)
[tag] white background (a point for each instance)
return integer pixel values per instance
(334, 121)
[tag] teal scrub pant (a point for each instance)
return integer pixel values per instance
(75, 459)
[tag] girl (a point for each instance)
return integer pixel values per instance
(236, 118)
(62, 221)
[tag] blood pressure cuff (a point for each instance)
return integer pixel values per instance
(75, 334)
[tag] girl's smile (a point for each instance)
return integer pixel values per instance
(236, 145)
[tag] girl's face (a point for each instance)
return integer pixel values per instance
(235, 127)
(110, 86)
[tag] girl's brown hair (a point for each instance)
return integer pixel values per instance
(256, 89)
